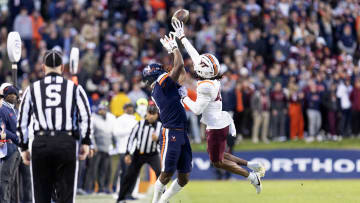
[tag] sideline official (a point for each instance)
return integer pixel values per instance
(61, 115)
(142, 148)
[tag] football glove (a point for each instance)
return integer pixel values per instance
(179, 28)
(182, 92)
(169, 42)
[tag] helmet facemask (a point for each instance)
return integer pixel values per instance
(208, 66)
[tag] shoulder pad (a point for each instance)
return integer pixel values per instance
(205, 87)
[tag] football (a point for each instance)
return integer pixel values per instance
(181, 15)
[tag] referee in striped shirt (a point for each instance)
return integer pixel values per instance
(61, 120)
(142, 148)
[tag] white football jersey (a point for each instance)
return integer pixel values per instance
(209, 103)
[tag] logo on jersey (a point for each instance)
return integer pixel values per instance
(173, 139)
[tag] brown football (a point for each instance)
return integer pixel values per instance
(182, 15)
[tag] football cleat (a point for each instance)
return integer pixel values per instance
(258, 168)
(256, 182)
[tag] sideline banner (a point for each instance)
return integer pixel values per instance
(290, 164)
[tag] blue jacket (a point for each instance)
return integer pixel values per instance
(8, 116)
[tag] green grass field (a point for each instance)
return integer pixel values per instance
(298, 191)
(287, 191)
(276, 191)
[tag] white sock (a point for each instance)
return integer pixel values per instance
(252, 164)
(158, 191)
(174, 188)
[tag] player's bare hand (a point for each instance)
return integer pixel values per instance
(127, 159)
(92, 153)
(169, 42)
(178, 27)
(84, 151)
(154, 137)
(26, 157)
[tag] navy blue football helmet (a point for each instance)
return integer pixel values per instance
(152, 72)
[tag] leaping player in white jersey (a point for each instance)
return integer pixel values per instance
(218, 123)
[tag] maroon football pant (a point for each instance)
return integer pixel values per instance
(216, 143)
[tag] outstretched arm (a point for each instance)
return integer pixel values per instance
(179, 31)
(195, 56)
(178, 69)
(169, 42)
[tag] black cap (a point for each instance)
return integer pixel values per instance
(152, 109)
(52, 58)
(10, 90)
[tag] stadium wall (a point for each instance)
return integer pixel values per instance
(291, 164)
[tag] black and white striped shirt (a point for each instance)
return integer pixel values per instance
(55, 104)
(141, 138)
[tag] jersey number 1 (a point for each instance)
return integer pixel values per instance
(53, 95)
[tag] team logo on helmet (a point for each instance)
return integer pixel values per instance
(152, 72)
(208, 66)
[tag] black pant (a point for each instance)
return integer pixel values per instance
(54, 165)
(8, 178)
(25, 183)
(345, 122)
(103, 170)
(89, 175)
(243, 122)
(82, 174)
(99, 169)
(119, 173)
(134, 169)
(355, 122)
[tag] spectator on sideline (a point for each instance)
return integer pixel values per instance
(118, 101)
(313, 100)
(122, 129)
(260, 105)
(355, 110)
(141, 107)
(332, 107)
(278, 113)
(343, 93)
(100, 168)
(296, 98)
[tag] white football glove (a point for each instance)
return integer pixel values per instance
(182, 92)
(169, 43)
(232, 129)
(178, 27)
